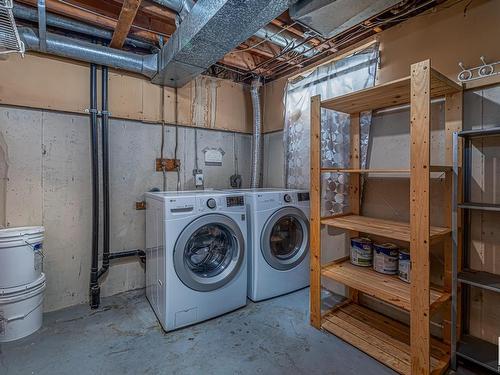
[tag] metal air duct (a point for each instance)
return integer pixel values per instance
(330, 18)
(181, 7)
(80, 50)
(212, 29)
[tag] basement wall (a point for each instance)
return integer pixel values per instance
(43, 82)
(45, 169)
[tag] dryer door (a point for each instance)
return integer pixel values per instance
(285, 238)
(209, 252)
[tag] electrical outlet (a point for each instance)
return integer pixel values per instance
(198, 177)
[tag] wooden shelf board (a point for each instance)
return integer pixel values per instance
(382, 338)
(385, 228)
(387, 288)
(434, 168)
(388, 95)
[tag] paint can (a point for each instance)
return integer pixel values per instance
(404, 267)
(361, 252)
(385, 258)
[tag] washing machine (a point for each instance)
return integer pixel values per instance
(278, 241)
(196, 256)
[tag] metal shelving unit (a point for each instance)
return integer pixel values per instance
(466, 346)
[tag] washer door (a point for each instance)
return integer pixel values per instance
(285, 238)
(209, 252)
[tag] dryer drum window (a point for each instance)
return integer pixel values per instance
(285, 238)
(209, 252)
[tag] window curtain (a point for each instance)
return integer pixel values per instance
(352, 73)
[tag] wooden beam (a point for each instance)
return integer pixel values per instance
(127, 15)
(419, 217)
(315, 214)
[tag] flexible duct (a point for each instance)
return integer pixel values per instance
(255, 181)
(80, 50)
(30, 14)
(285, 40)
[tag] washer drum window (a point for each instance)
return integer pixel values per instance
(209, 252)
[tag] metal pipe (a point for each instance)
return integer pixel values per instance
(94, 277)
(255, 178)
(30, 14)
(127, 253)
(105, 167)
(84, 51)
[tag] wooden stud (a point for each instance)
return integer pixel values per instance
(354, 181)
(127, 15)
(419, 217)
(314, 221)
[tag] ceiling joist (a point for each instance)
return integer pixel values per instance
(127, 15)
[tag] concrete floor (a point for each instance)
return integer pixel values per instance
(123, 337)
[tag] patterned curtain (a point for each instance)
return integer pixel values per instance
(351, 73)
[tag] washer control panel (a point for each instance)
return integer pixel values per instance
(236, 200)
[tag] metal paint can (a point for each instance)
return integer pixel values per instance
(385, 258)
(361, 252)
(404, 267)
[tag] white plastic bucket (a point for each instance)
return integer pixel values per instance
(20, 256)
(21, 310)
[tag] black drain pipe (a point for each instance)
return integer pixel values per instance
(94, 271)
(105, 169)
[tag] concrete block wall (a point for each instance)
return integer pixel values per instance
(45, 169)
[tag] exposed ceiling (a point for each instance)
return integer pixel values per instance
(281, 48)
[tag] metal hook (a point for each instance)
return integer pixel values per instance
(465, 74)
(486, 69)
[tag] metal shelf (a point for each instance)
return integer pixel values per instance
(480, 279)
(481, 352)
(480, 132)
(469, 347)
(480, 206)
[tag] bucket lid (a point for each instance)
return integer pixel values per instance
(7, 292)
(20, 231)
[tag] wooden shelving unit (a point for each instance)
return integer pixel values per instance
(379, 336)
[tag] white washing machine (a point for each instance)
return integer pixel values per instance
(196, 258)
(278, 241)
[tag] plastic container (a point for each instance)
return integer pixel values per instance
(404, 267)
(385, 258)
(361, 252)
(20, 256)
(21, 310)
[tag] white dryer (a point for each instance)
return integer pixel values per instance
(196, 262)
(278, 241)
